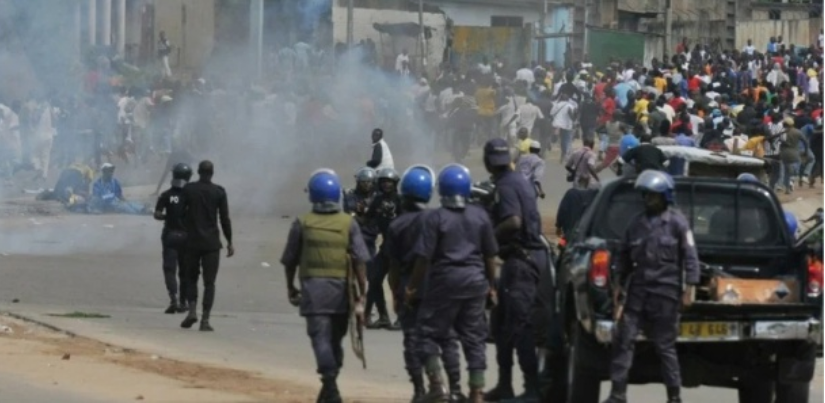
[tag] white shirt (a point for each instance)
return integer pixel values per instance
(528, 113)
(628, 74)
(669, 112)
(561, 114)
(813, 85)
(526, 74)
(386, 156)
(485, 68)
(399, 62)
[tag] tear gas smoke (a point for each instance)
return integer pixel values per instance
(265, 139)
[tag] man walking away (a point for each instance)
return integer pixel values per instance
(169, 209)
(206, 202)
(320, 248)
(381, 155)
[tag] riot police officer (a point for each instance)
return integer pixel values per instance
(383, 209)
(656, 246)
(524, 255)
(357, 200)
(403, 233)
(319, 248)
(170, 210)
(456, 252)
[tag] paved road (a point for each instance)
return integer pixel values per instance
(19, 390)
(111, 265)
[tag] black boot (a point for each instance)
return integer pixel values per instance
(455, 392)
(504, 387)
(531, 392)
(395, 325)
(192, 317)
(205, 326)
(183, 307)
(437, 393)
(173, 305)
(673, 394)
(418, 387)
(331, 387)
(383, 322)
(618, 393)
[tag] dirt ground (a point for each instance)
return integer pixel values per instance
(110, 373)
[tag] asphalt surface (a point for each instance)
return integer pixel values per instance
(112, 265)
(19, 390)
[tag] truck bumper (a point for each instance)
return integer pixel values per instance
(752, 330)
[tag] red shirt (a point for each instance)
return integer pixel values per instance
(694, 84)
(608, 107)
(598, 91)
(675, 103)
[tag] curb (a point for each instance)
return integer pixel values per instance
(41, 323)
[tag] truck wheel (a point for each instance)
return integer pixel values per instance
(582, 384)
(793, 392)
(753, 390)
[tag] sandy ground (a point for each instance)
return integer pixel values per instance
(108, 373)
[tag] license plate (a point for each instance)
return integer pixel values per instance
(710, 331)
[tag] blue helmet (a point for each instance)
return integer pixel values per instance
(747, 177)
(454, 185)
(656, 182)
(417, 183)
(324, 187)
(790, 221)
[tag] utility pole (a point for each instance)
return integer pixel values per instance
(668, 28)
(350, 22)
(542, 56)
(256, 35)
(423, 63)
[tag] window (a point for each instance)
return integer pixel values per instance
(774, 15)
(719, 216)
(502, 21)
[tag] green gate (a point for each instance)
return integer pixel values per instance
(605, 45)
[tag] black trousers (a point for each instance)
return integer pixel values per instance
(206, 262)
(174, 272)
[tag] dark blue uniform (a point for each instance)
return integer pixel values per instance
(324, 302)
(173, 239)
(658, 246)
(522, 254)
(402, 236)
(456, 243)
(381, 211)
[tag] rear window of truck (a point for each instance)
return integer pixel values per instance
(718, 216)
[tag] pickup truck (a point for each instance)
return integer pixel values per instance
(754, 325)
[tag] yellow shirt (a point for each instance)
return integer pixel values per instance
(486, 100)
(660, 83)
(756, 145)
(524, 146)
(640, 108)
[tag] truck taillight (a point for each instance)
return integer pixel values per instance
(599, 268)
(815, 274)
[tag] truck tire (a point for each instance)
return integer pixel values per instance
(793, 392)
(582, 383)
(753, 390)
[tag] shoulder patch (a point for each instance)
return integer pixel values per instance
(689, 238)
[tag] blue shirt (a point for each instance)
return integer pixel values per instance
(107, 191)
(627, 142)
(621, 90)
(686, 141)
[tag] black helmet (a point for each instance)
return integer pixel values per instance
(388, 173)
(181, 174)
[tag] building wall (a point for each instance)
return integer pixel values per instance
(785, 14)
(190, 26)
(463, 14)
(388, 49)
(801, 32)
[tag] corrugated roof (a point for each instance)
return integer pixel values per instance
(533, 4)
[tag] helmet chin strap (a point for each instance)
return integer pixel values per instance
(325, 207)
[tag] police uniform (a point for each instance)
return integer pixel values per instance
(321, 244)
(383, 209)
(523, 254)
(654, 250)
(173, 239)
(455, 250)
(402, 235)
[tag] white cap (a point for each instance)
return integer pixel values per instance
(535, 144)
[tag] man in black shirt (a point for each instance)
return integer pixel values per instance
(645, 156)
(206, 202)
(170, 210)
